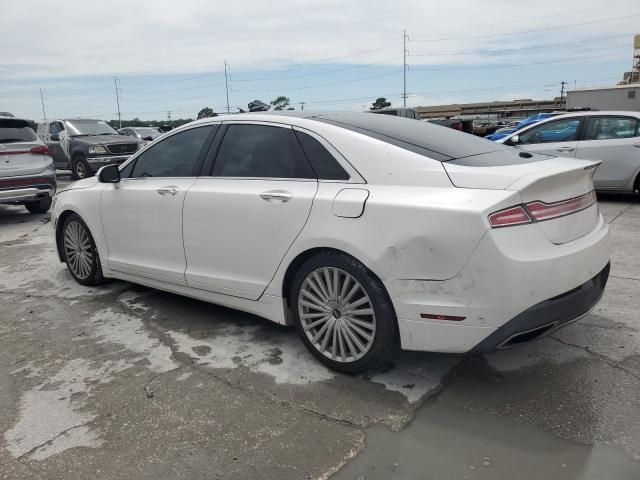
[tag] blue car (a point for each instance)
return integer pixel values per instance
(535, 118)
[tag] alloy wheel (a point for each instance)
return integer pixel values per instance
(78, 249)
(336, 314)
(80, 170)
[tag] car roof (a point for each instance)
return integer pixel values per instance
(435, 141)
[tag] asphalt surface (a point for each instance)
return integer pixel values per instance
(121, 381)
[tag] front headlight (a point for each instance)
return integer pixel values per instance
(98, 149)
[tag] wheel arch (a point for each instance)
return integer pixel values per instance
(297, 262)
(60, 223)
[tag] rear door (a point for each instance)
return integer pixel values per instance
(615, 140)
(556, 137)
(240, 221)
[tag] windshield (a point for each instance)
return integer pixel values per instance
(147, 132)
(15, 131)
(89, 127)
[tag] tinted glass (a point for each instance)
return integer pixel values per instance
(433, 141)
(322, 162)
(607, 128)
(175, 156)
(565, 130)
(15, 131)
(260, 151)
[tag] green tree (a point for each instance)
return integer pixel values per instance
(379, 104)
(280, 103)
(206, 112)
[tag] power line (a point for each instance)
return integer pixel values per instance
(320, 85)
(521, 32)
(532, 47)
(509, 65)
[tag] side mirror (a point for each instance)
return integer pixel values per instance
(55, 137)
(109, 174)
(148, 139)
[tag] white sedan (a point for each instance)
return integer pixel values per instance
(366, 232)
(610, 137)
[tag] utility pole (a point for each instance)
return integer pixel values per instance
(562, 84)
(404, 67)
(226, 84)
(115, 84)
(169, 115)
(302, 105)
(42, 98)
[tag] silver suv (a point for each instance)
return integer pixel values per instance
(27, 176)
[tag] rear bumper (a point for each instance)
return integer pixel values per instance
(513, 270)
(547, 316)
(98, 162)
(27, 189)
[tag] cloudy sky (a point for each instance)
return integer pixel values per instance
(169, 55)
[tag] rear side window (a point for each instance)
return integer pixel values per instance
(322, 162)
(607, 128)
(260, 151)
(14, 130)
(176, 156)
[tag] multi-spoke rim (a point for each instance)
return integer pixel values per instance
(336, 314)
(80, 172)
(78, 250)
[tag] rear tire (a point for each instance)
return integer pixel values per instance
(80, 169)
(343, 313)
(39, 206)
(80, 252)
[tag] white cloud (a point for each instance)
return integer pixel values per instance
(78, 37)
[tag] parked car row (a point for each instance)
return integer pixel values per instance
(85, 145)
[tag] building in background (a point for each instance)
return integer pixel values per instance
(617, 97)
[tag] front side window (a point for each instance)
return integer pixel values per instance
(564, 130)
(175, 156)
(323, 163)
(259, 151)
(55, 128)
(607, 128)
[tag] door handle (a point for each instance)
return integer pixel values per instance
(276, 196)
(565, 149)
(167, 190)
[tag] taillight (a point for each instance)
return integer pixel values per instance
(538, 211)
(545, 211)
(40, 150)
(509, 216)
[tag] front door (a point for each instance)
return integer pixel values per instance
(555, 137)
(58, 154)
(142, 215)
(615, 141)
(240, 221)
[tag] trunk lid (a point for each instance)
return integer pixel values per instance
(548, 180)
(16, 159)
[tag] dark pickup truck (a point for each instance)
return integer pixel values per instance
(84, 145)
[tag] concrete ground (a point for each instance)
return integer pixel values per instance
(121, 381)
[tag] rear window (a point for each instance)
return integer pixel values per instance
(15, 130)
(322, 162)
(440, 143)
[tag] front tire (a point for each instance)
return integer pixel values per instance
(80, 168)
(39, 206)
(80, 252)
(343, 313)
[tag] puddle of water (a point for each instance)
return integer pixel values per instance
(448, 442)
